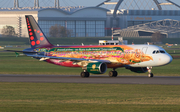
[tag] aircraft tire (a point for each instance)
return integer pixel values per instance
(84, 74)
(113, 74)
(87, 74)
(150, 75)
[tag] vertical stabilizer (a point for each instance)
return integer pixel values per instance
(36, 36)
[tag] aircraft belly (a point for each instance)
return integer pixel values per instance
(62, 63)
(144, 64)
(71, 64)
(115, 65)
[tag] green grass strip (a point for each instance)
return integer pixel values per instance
(71, 97)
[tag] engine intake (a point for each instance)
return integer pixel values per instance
(96, 68)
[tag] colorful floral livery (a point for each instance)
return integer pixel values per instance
(119, 55)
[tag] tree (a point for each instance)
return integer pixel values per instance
(8, 31)
(59, 31)
(157, 37)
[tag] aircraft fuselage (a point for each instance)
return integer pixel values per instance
(118, 55)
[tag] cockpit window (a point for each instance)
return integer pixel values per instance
(158, 51)
(161, 51)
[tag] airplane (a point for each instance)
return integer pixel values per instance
(94, 59)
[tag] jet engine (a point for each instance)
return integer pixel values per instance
(96, 68)
(139, 69)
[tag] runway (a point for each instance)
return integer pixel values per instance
(94, 79)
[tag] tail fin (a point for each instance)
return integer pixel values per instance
(36, 36)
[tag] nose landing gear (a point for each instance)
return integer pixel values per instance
(149, 70)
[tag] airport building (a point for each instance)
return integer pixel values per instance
(143, 23)
(80, 21)
(142, 18)
(96, 21)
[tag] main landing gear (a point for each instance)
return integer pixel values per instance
(149, 70)
(84, 74)
(113, 73)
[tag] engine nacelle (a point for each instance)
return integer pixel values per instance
(139, 69)
(96, 68)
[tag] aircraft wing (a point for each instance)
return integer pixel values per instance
(21, 51)
(43, 57)
(68, 58)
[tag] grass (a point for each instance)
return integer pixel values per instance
(88, 97)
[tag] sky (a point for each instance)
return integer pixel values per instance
(86, 3)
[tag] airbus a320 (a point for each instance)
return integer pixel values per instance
(94, 59)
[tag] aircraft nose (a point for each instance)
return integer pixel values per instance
(166, 59)
(170, 58)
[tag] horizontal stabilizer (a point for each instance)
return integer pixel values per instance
(21, 51)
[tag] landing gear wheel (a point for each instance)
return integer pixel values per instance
(149, 70)
(113, 74)
(150, 75)
(84, 74)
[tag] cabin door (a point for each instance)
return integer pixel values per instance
(144, 50)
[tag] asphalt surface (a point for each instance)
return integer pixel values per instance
(94, 79)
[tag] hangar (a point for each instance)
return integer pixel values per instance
(168, 27)
(129, 17)
(81, 21)
(95, 21)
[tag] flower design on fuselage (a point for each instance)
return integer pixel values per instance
(124, 55)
